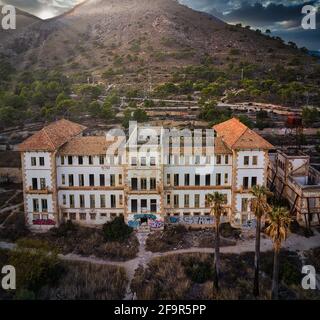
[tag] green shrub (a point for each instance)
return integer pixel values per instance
(116, 230)
(198, 271)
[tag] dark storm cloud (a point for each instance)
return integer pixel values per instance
(283, 17)
(272, 13)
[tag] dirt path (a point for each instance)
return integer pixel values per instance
(294, 243)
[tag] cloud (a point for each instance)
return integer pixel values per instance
(43, 8)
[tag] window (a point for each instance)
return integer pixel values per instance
(152, 161)
(34, 183)
(143, 161)
(253, 181)
(71, 200)
(176, 179)
(254, 160)
(111, 160)
(134, 205)
(83, 216)
(82, 201)
(153, 205)
(80, 160)
(41, 161)
(36, 216)
(197, 179)
(153, 184)
(103, 215)
(81, 180)
(218, 179)
(134, 161)
(92, 201)
(120, 179)
(93, 216)
(187, 179)
(244, 204)
(70, 160)
(226, 159)
(197, 159)
(196, 214)
(168, 199)
(226, 178)
(33, 161)
(91, 180)
(71, 182)
(176, 201)
(143, 183)
(208, 179)
(143, 204)
(62, 160)
(218, 159)
(112, 180)
(134, 183)
(102, 201)
(101, 159)
(72, 216)
(197, 200)
(90, 158)
(63, 179)
(245, 182)
(208, 159)
(206, 201)
(168, 179)
(225, 199)
(186, 201)
(64, 199)
(120, 199)
(35, 203)
(246, 160)
(113, 201)
(102, 180)
(42, 183)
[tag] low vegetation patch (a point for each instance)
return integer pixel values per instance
(190, 276)
(70, 238)
(180, 237)
(41, 275)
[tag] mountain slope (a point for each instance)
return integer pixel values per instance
(23, 19)
(135, 37)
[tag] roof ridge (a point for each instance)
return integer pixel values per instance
(246, 129)
(50, 140)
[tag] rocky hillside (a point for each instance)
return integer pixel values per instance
(24, 19)
(136, 38)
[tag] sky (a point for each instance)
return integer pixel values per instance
(282, 17)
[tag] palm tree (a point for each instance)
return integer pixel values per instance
(278, 229)
(259, 206)
(216, 201)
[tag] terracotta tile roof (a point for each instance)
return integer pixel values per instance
(220, 147)
(238, 136)
(51, 137)
(85, 146)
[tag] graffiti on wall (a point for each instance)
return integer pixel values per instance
(153, 223)
(156, 224)
(250, 224)
(44, 222)
(203, 220)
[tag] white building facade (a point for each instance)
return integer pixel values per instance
(153, 177)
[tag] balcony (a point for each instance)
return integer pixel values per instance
(45, 190)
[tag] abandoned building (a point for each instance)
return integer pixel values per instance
(149, 176)
(291, 177)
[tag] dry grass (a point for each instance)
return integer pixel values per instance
(179, 237)
(188, 276)
(90, 241)
(86, 281)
